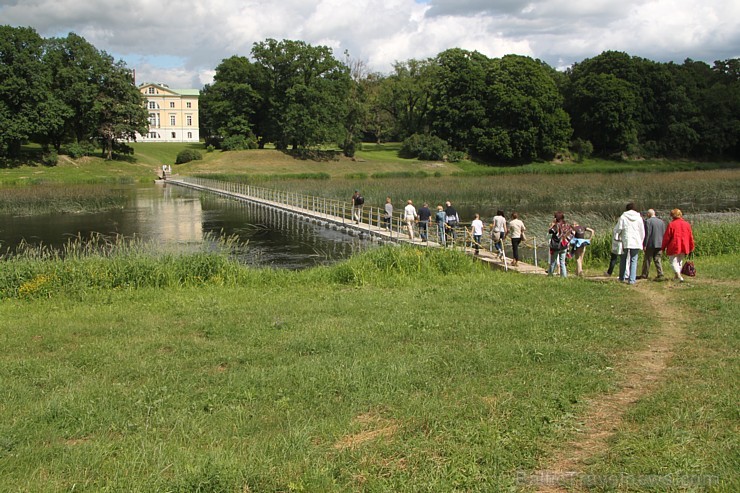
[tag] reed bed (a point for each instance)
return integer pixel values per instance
(65, 199)
(606, 194)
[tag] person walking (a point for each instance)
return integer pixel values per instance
(499, 232)
(678, 241)
(631, 233)
(516, 233)
(441, 219)
(425, 214)
(560, 235)
(477, 230)
(357, 203)
(410, 216)
(388, 214)
(578, 245)
(452, 220)
(652, 245)
(616, 251)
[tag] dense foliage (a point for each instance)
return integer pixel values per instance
(66, 95)
(512, 109)
(63, 91)
(292, 94)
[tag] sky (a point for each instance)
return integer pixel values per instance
(180, 43)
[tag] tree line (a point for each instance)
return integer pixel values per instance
(512, 109)
(70, 97)
(65, 92)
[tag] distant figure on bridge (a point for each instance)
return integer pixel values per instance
(452, 220)
(425, 214)
(410, 216)
(477, 229)
(516, 233)
(357, 202)
(164, 171)
(441, 219)
(499, 232)
(388, 213)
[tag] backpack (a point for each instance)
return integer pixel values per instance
(359, 200)
(562, 234)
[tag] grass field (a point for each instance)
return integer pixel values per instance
(398, 370)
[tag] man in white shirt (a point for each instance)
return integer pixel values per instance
(477, 227)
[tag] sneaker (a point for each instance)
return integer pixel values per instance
(607, 274)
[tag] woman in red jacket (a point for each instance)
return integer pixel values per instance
(678, 242)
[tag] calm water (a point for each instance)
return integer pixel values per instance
(175, 216)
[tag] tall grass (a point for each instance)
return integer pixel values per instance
(85, 265)
(63, 199)
(604, 194)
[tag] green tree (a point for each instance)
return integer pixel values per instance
(305, 89)
(524, 112)
(230, 106)
(458, 97)
(24, 87)
(603, 108)
(119, 108)
(77, 69)
(405, 96)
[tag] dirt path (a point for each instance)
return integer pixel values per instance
(642, 372)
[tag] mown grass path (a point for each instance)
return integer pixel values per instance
(642, 371)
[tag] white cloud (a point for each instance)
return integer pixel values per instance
(181, 42)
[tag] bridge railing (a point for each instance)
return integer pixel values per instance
(371, 218)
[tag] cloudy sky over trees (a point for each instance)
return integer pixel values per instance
(181, 42)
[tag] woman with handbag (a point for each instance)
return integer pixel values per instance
(678, 241)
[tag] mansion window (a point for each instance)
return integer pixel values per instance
(172, 104)
(189, 119)
(151, 90)
(172, 119)
(189, 104)
(152, 105)
(190, 135)
(154, 119)
(173, 135)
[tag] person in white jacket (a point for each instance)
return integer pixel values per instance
(630, 230)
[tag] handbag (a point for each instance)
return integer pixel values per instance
(688, 269)
(523, 237)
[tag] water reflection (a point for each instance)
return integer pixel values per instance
(175, 217)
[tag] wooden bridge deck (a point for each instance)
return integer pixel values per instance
(350, 227)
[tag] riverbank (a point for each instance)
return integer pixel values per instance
(386, 372)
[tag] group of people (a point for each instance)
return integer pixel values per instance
(567, 239)
(446, 219)
(630, 235)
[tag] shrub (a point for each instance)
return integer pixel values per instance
(77, 150)
(187, 155)
(425, 147)
(50, 158)
(238, 143)
(210, 148)
(584, 149)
